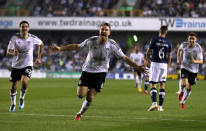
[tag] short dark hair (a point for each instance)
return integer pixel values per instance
(163, 29)
(192, 34)
(106, 24)
(22, 22)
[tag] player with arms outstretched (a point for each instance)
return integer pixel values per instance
(96, 65)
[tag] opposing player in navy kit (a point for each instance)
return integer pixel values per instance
(189, 56)
(96, 64)
(21, 48)
(137, 57)
(159, 49)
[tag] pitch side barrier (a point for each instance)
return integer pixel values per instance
(117, 23)
(76, 75)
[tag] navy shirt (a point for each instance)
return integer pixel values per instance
(160, 47)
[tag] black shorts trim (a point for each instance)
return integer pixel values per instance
(92, 80)
(157, 82)
(192, 77)
(138, 73)
(16, 74)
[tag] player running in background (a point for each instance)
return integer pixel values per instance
(21, 48)
(159, 49)
(189, 56)
(96, 64)
(137, 57)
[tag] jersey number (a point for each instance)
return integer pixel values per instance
(161, 53)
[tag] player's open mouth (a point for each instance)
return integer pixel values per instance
(103, 34)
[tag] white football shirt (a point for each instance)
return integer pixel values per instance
(99, 54)
(25, 48)
(188, 52)
(138, 58)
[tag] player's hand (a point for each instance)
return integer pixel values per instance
(16, 53)
(53, 49)
(142, 69)
(38, 61)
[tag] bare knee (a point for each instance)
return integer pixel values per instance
(80, 96)
(82, 91)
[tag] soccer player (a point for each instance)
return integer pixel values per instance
(159, 49)
(21, 48)
(137, 57)
(96, 64)
(189, 56)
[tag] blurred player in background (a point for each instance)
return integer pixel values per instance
(21, 48)
(137, 57)
(159, 49)
(189, 56)
(96, 64)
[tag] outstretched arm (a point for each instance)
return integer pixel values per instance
(55, 49)
(133, 64)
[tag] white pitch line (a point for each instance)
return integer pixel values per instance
(109, 117)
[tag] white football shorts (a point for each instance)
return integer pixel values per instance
(157, 72)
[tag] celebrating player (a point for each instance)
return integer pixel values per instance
(159, 49)
(21, 48)
(189, 56)
(96, 64)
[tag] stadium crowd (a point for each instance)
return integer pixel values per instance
(168, 8)
(174, 8)
(146, 8)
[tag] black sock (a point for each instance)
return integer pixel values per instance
(146, 84)
(153, 94)
(161, 96)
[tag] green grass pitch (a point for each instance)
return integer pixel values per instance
(51, 104)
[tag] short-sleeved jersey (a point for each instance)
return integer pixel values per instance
(99, 54)
(188, 52)
(138, 58)
(25, 48)
(161, 48)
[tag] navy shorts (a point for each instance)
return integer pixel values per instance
(92, 80)
(17, 73)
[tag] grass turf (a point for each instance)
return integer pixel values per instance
(51, 104)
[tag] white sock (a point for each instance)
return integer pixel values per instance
(180, 87)
(13, 98)
(85, 106)
(136, 79)
(140, 83)
(22, 93)
(185, 96)
(154, 103)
